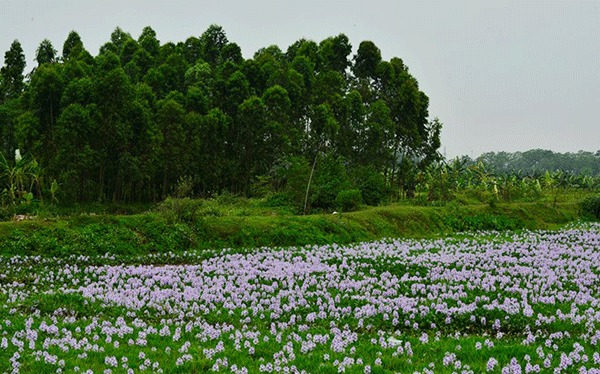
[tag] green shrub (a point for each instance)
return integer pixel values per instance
(184, 188)
(330, 178)
(175, 210)
(229, 199)
(466, 222)
(348, 200)
(590, 207)
(6, 213)
(371, 183)
(294, 174)
(279, 199)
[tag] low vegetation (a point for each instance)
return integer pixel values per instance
(180, 224)
(481, 302)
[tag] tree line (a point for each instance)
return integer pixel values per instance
(539, 161)
(142, 119)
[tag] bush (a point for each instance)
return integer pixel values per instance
(174, 209)
(295, 172)
(188, 210)
(590, 207)
(229, 199)
(465, 222)
(371, 183)
(6, 213)
(330, 178)
(279, 199)
(348, 200)
(184, 188)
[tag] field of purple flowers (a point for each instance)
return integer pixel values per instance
(502, 303)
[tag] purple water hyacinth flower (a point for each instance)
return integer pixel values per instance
(491, 364)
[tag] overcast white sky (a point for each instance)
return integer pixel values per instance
(500, 75)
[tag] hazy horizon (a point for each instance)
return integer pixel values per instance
(506, 76)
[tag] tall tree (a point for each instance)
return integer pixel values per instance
(12, 71)
(192, 49)
(46, 90)
(76, 160)
(170, 119)
(322, 129)
(334, 53)
(250, 131)
(9, 117)
(72, 46)
(366, 60)
(277, 141)
(128, 50)
(237, 89)
(118, 38)
(146, 147)
(213, 40)
(214, 159)
(306, 48)
(113, 94)
(352, 127)
(376, 144)
(45, 53)
(232, 52)
(149, 42)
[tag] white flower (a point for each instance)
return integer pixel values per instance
(393, 341)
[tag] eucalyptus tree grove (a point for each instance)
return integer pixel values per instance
(132, 122)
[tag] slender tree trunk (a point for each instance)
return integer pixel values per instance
(312, 171)
(101, 182)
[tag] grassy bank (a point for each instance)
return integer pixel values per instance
(179, 225)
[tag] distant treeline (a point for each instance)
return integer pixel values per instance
(538, 161)
(143, 120)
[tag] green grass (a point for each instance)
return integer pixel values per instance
(179, 225)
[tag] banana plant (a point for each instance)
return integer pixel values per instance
(8, 177)
(483, 176)
(19, 179)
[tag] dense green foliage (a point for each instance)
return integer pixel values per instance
(538, 161)
(590, 207)
(143, 120)
(465, 180)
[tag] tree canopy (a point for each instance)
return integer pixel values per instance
(134, 121)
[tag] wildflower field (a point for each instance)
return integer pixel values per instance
(479, 302)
